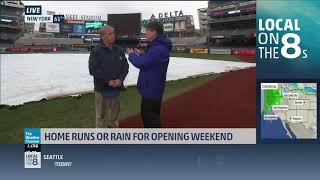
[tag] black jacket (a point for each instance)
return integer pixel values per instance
(106, 64)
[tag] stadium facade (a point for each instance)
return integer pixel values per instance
(78, 32)
(177, 26)
(75, 26)
(203, 20)
(174, 27)
(232, 23)
(12, 24)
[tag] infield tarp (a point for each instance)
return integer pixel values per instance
(32, 77)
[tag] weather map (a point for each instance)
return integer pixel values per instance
(289, 110)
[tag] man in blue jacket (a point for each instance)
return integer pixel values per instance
(153, 65)
(109, 67)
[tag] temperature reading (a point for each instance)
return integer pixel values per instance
(58, 18)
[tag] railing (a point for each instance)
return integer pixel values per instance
(16, 4)
(235, 18)
(233, 6)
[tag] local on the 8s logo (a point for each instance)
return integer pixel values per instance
(269, 37)
(32, 160)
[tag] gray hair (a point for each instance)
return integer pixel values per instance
(104, 28)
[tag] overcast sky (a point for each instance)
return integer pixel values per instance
(102, 8)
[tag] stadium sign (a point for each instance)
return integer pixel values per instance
(180, 18)
(51, 13)
(94, 27)
(180, 26)
(82, 17)
(66, 28)
(143, 30)
(52, 27)
(198, 51)
(234, 12)
(165, 20)
(171, 14)
(74, 22)
(152, 16)
(180, 50)
(218, 37)
(168, 27)
(6, 20)
(81, 29)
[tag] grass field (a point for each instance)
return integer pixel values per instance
(79, 112)
(76, 112)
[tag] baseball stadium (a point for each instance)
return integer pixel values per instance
(211, 78)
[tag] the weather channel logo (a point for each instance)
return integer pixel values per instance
(32, 136)
(34, 14)
(279, 39)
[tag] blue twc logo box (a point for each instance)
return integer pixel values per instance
(32, 10)
(32, 136)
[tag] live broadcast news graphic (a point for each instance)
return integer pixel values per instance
(269, 34)
(215, 58)
(292, 104)
(58, 53)
(286, 48)
(287, 72)
(226, 86)
(140, 136)
(34, 14)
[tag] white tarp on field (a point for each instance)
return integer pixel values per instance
(32, 77)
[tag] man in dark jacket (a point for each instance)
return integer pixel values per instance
(153, 65)
(109, 68)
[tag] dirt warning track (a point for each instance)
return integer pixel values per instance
(226, 102)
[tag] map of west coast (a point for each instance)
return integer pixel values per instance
(289, 110)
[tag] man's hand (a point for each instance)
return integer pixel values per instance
(115, 83)
(118, 83)
(111, 83)
(138, 51)
(129, 50)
